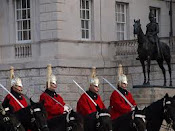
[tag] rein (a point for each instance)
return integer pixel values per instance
(33, 119)
(16, 127)
(7, 119)
(135, 115)
(168, 125)
(68, 120)
(98, 115)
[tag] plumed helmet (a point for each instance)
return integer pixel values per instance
(94, 79)
(151, 15)
(121, 77)
(50, 77)
(15, 81)
(53, 79)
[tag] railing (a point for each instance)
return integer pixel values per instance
(23, 50)
(122, 48)
(126, 47)
(129, 47)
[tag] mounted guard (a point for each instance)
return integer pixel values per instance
(118, 106)
(16, 91)
(85, 105)
(53, 102)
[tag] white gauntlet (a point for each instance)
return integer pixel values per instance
(132, 108)
(66, 108)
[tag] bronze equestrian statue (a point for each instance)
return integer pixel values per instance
(152, 50)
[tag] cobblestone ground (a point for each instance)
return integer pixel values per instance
(164, 128)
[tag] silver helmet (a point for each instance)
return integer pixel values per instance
(50, 77)
(14, 81)
(121, 77)
(94, 79)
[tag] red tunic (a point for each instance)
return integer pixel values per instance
(51, 106)
(14, 104)
(118, 104)
(85, 105)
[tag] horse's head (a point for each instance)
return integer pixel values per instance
(74, 121)
(8, 122)
(104, 122)
(138, 120)
(169, 110)
(15, 123)
(137, 26)
(38, 116)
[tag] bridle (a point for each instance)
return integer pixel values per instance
(34, 121)
(7, 120)
(69, 119)
(98, 115)
(166, 115)
(135, 115)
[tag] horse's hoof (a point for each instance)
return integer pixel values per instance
(144, 83)
(164, 84)
(148, 83)
(171, 84)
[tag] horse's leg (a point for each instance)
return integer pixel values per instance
(168, 61)
(144, 73)
(160, 62)
(148, 69)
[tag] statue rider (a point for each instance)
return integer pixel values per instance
(151, 33)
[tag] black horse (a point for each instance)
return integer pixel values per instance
(132, 121)
(8, 122)
(159, 110)
(71, 121)
(147, 52)
(98, 121)
(33, 117)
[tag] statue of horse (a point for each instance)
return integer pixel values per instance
(158, 111)
(148, 52)
(132, 121)
(71, 121)
(33, 117)
(8, 122)
(98, 121)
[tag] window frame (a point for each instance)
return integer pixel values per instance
(118, 14)
(157, 14)
(88, 20)
(28, 27)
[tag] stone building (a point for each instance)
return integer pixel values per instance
(73, 36)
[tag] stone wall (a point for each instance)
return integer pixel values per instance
(34, 79)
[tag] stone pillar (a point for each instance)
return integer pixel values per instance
(51, 18)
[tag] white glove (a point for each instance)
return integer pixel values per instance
(132, 108)
(66, 108)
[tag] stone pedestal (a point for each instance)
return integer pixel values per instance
(145, 95)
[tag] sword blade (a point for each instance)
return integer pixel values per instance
(119, 92)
